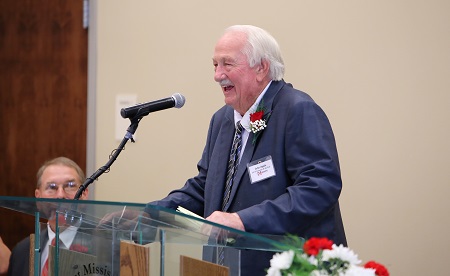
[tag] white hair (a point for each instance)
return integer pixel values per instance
(261, 46)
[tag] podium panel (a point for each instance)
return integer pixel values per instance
(134, 259)
(118, 238)
(194, 267)
(71, 262)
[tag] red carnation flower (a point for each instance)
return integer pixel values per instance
(256, 116)
(380, 270)
(314, 245)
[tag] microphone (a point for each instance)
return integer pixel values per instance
(177, 100)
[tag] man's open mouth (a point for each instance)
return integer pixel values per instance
(228, 88)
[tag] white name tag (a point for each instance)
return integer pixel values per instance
(261, 169)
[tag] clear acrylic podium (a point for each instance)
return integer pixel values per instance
(133, 242)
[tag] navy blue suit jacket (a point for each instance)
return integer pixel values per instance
(301, 199)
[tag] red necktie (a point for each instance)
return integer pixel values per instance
(45, 268)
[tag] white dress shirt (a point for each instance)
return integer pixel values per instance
(245, 120)
(66, 238)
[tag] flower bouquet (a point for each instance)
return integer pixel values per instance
(320, 257)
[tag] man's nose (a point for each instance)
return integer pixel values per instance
(219, 74)
(60, 193)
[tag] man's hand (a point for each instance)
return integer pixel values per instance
(125, 219)
(5, 253)
(228, 219)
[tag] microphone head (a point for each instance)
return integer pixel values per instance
(179, 100)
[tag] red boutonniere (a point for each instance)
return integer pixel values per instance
(258, 120)
(257, 123)
(256, 116)
(79, 248)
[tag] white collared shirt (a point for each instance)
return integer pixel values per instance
(66, 238)
(245, 120)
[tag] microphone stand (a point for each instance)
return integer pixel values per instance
(128, 136)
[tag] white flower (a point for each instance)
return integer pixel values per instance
(341, 252)
(311, 259)
(272, 271)
(257, 125)
(359, 271)
(280, 261)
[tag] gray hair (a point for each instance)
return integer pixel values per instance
(64, 161)
(261, 46)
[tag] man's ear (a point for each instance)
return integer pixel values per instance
(262, 70)
(85, 194)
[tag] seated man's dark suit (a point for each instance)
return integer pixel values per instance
(19, 262)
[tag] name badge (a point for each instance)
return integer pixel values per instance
(261, 169)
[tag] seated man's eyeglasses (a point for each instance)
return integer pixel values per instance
(69, 187)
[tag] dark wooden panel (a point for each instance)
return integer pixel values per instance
(43, 94)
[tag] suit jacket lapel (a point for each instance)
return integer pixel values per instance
(224, 141)
(250, 146)
(43, 238)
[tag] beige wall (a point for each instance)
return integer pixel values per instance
(380, 70)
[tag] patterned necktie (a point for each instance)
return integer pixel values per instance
(233, 162)
(45, 268)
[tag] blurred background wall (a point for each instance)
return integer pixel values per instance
(379, 69)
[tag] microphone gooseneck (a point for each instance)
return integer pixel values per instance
(135, 114)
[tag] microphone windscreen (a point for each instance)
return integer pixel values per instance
(179, 100)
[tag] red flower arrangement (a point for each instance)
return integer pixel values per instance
(380, 270)
(320, 257)
(314, 245)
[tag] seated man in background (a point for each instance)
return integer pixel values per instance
(57, 178)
